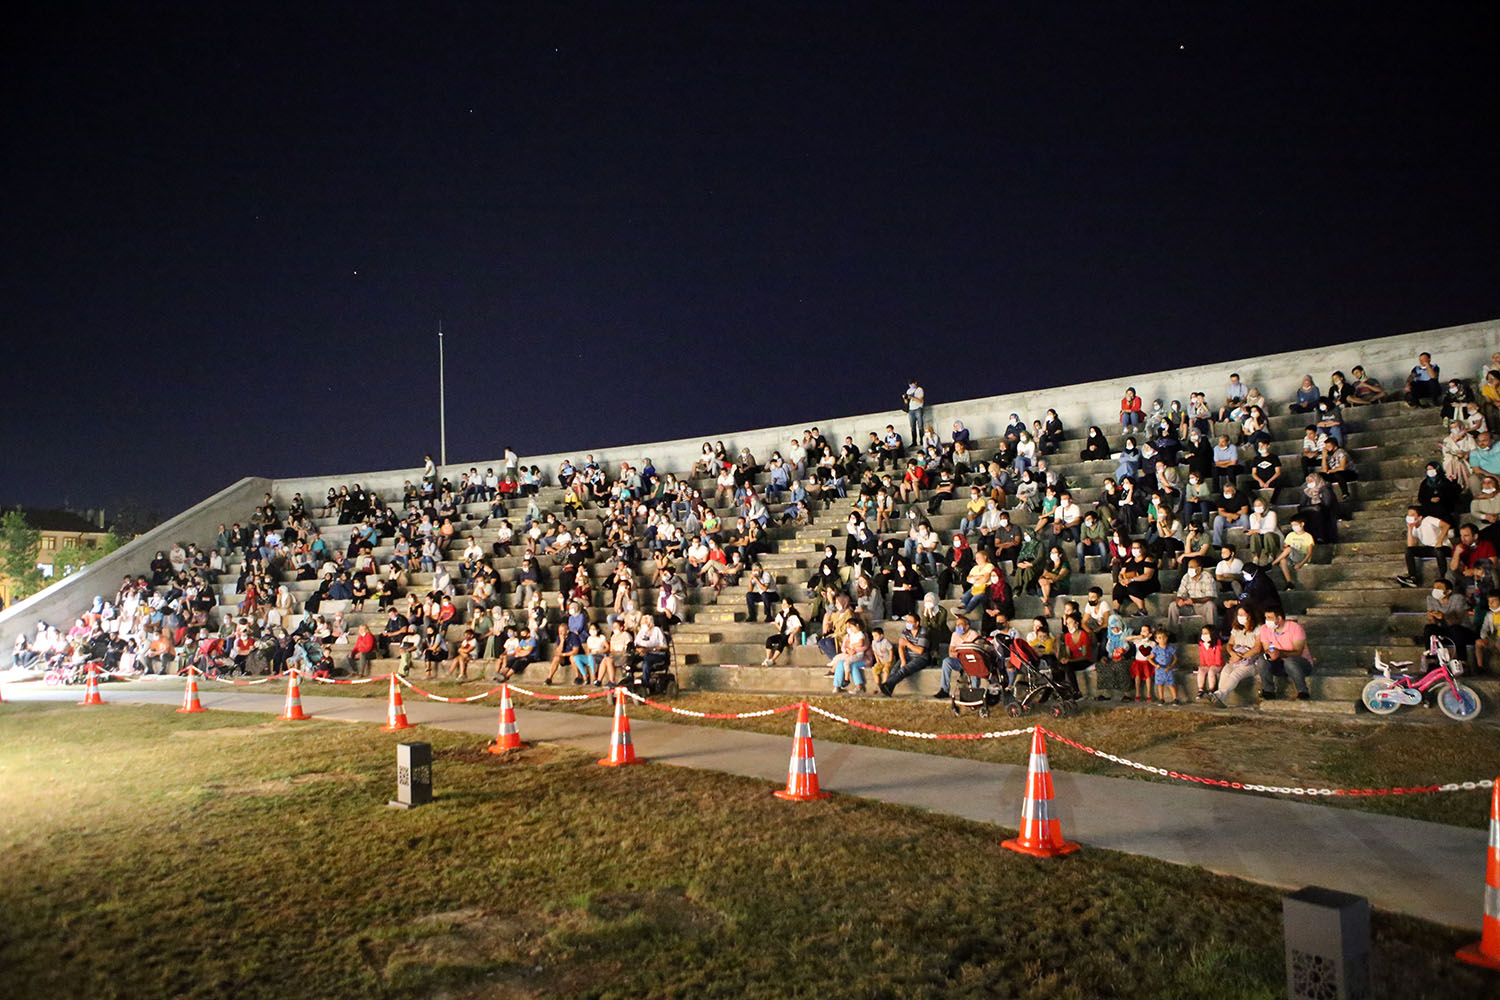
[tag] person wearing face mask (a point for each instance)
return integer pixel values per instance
(1243, 651)
(1266, 471)
(1296, 552)
(1263, 531)
(1426, 538)
(1319, 509)
(1198, 455)
(1257, 593)
(1095, 446)
(1229, 512)
(1285, 653)
(1007, 540)
(1137, 580)
(1093, 536)
(1447, 612)
(1485, 508)
(1195, 596)
(1307, 396)
(1489, 633)
(1437, 495)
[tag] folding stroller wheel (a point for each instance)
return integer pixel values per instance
(1014, 709)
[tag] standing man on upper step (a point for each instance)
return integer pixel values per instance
(915, 399)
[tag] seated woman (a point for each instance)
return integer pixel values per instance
(1243, 652)
(1307, 397)
(1129, 460)
(1455, 394)
(1051, 436)
(1054, 579)
(852, 658)
(789, 629)
(1137, 580)
(960, 433)
(1095, 446)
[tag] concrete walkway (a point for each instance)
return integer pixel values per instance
(1428, 870)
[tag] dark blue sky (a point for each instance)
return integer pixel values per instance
(229, 235)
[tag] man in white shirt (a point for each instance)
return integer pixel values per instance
(652, 643)
(1426, 538)
(1227, 572)
(915, 399)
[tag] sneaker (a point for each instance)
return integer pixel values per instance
(548, 682)
(1128, 697)
(1217, 702)
(1405, 581)
(1101, 697)
(1303, 696)
(885, 689)
(1268, 696)
(840, 690)
(1291, 586)
(577, 680)
(940, 696)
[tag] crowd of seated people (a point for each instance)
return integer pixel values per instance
(1189, 489)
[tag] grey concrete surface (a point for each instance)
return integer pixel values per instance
(1427, 870)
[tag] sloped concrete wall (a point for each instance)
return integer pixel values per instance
(1458, 350)
(62, 602)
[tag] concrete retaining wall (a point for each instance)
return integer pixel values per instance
(62, 602)
(1458, 350)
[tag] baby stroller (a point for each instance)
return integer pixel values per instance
(981, 685)
(1032, 682)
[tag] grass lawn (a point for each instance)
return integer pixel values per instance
(154, 855)
(1237, 746)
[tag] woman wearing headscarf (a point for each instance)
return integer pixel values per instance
(1095, 446)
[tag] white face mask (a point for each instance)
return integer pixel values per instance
(1439, 594)
(1410, 519)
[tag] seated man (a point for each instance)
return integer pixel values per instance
(911, 654)
(1195, 596)
(1423, 385)
(1229, 512)
(1364, 389)
(1447, 612)
(964, 637)
(1285, 645)
(1426, 538)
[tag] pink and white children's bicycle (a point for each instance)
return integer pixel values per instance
(1388, 692)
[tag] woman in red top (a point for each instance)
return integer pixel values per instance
(1078, 656)
(1130, 409)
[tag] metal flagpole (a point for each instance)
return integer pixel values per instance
(442, 403)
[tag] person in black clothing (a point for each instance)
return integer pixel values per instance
(1266, 471)
(1257, 594)
(1437, 495)
(1095, 446)
(1198, 455)
(161, 570)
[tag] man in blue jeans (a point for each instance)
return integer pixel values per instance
(1286, 653)
(911, 652)
(916, 400)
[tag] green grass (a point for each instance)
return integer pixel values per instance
(151, 854)
(1236, 746)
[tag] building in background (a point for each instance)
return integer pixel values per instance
(56, 530)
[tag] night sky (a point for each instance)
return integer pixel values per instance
(229, 234)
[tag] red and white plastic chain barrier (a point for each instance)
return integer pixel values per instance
(558, 697)
(993, 735)
(437, 697)
(359, 680)
(708, 715)
(1452, 786)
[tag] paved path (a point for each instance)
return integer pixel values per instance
(1425, 869)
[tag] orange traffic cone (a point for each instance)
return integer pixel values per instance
(509, 737)
(621, 750)
(1041, 832)
(1486, 951)
(190, 702)
(293, 711)
(91, 693)
(395, 713)
(802, 771)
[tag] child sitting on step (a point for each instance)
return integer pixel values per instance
(1210, 661)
